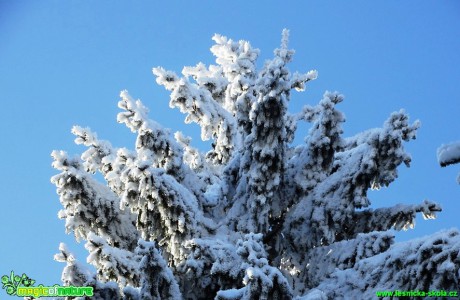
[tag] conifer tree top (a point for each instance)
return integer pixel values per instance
(255, 217)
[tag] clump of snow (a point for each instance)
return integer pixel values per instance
(449, 154)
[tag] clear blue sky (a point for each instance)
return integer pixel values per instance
(63, 63)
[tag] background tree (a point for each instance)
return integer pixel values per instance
(255, 217)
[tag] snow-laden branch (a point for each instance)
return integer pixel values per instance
(449, 154)
(90, 206)
(167, 211)
(76, 274)
(237, 61)
(423, 264)
(328, 211)
(261, 280)
(143, 267)
(313, 162)
(101, 156)
(211, 258)
(399, 217)
(215, 121)
(112, 263)
(341, 255)
(157, 279)
(153, 142)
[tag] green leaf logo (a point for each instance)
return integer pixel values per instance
(12, 282)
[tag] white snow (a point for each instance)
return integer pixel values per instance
(449, 154)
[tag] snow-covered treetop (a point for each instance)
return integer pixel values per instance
(255, 217)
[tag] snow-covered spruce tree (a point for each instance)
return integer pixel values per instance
(254, 217)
